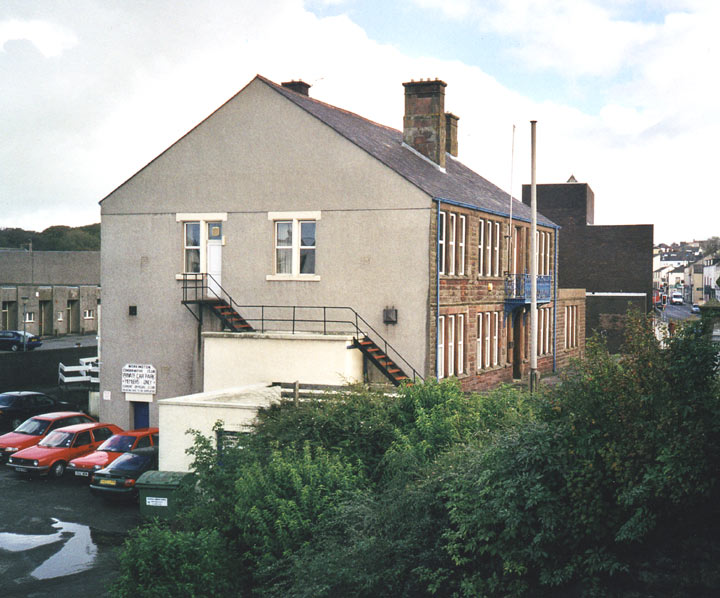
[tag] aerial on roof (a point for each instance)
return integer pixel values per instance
(458, 184)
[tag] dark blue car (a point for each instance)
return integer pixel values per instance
(12, 340)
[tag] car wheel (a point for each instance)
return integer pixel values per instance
(58, 469)
(14, 347)
(16, 423)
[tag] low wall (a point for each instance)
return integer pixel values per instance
(233, 360)
(236, 407)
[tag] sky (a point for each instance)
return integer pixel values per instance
(625, 92)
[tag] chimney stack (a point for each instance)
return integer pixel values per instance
(424, 123)
(298, 87)
(451, 138)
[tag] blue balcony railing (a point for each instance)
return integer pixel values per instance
(518, 289)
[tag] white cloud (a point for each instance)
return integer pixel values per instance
(50, 39)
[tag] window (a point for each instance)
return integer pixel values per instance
(488, 339)
(441, 242)
(544, 331)
(488, 248)
(451, 343)
(570, 326)
(452, 230)
(192, 247)
(460, 344)
(59, 316)
(481, 247)
(295, 245)
(461, 247)
(451, 243)
(89, 314)
(543, 240)
(441, 348)
(197, 230)
(29, 317)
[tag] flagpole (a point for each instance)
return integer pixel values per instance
(533, 260)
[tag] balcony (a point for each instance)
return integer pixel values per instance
(518, 289)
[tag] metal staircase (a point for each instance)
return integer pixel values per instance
(202, 290)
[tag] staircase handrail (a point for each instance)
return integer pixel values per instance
(198, 292)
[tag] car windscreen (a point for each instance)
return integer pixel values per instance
(118, 443)
(6, 400)
(131, 462)
(33, 426)
(58, 438)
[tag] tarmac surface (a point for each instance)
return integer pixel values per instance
(57, 539)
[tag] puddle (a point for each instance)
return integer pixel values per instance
(77, 552)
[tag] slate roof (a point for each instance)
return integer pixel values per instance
(458, 184)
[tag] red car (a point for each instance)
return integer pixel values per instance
(53, 452)
(33, 430)
(111, 449)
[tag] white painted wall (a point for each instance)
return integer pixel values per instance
(236, 407)
(238, 359)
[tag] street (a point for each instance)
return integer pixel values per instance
(57, 539)
(68, 342)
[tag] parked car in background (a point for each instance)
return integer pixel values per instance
(111, 449)
(52, 454)
(33, 430)
(16, 340)
(118, 479)
(17, 405)
(695, 309)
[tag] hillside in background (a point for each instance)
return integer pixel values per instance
(55, 238)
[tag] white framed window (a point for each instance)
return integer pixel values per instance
(544, 331)
(441, 348)
(450, 344)
(461, 246)
(460, 344)
(570, 326)
(496, 251)
(488, 339)
(197, 229)
(294, 245)
(88, 314)
(495, 338)
(441, 241)
(452, 233)
(60, 316)
(481, 247)
(29, 317)
(486, 334)
(488, 248)
(192, 247)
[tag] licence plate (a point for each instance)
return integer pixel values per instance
(82, 473)
(21, 469)
(107, 482)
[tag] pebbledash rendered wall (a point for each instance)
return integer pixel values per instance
(62, 291)
(259, 153)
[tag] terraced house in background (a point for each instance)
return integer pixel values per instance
(284, 239)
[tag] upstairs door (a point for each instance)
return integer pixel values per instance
(214, 257)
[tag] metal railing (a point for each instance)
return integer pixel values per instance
(88, 371)
(518, 289)
(294, 318)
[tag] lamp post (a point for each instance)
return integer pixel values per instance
(24, 302)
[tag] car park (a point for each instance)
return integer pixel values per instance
(17, 340)
(111, 449)
(51, 455)
(33, 430)
(117, 480)
(17, 405)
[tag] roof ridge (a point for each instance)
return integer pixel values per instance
(302, 97)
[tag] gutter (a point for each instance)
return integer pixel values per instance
(437, 288)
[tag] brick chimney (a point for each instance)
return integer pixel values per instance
(298, 87)
(451, 139)
(424, 127)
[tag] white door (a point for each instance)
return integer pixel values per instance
(214, 257)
